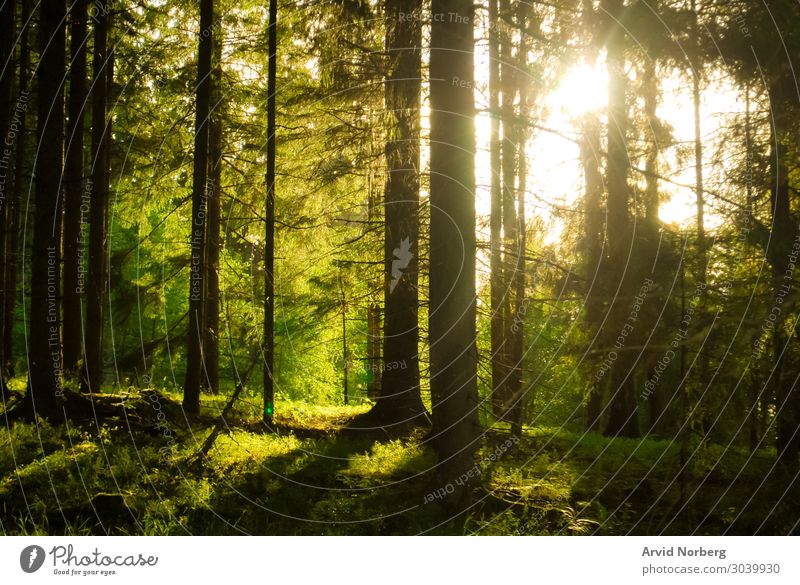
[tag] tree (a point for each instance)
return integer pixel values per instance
(517, 328)
(451, 320)
(400, 401)
(103, 71)
(7, 14)
(622, 400)
(44, 357)
(593, 236)
(73, 191)
(195, 364)
(12, 211)
(212, 240)
(497, 291)
(269, 224)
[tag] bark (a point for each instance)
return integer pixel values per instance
(622, 399)
(12, 246)
(496, 214)
(649, 236)
(200, 188)
(97, 281)
(400, 401)
(517, 329)
(502, 395)
(590, 152)
(211, 326)
(44, 358)
(269, 229)
(74, 220)
(780, 248)
(374, 361)
(451, 320)
(7, 14)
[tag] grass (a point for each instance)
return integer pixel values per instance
(309, 478)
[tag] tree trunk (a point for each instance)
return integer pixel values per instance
(195, 365)
(96, 289)
(269, 229)
(622, 406)
(44, 358)
(7, 14)
(74, 206)
(649, 237)
(780, 248)
(374, 360)
(501, 396)
(496, 214)
(593, 227)
(451, 321)
(211, 329)
(12, 246)
(702, 243)
(400, 401)
(517, 328)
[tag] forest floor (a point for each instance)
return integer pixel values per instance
(135, 474)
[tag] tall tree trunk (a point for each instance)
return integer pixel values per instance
(12, 247)
(44, 359)
(649, 237)
(7, 14)
(211, 329)
(501, 396)
(593, 227)
(702, 241)
(517, 328)
(453, 352)
(622, 407)
(195, 365)
(102, 66)
(784, 224)
(496, 213)
(400, 401)
(269, 229)
(698, 146)
(73, 186)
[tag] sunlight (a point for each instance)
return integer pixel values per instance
(583, 89)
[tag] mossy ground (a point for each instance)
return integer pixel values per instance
(310, 478)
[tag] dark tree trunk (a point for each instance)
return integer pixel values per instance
(622, 398)
(593, 226)
(374, 360)
(269, 228)
(12, 246)
(650, 94)
(451, 321)
(783, 380)
(496, 215)
(7, 14)
(400, 401)
(96, 284)
(501, 395)
(74, 206)
(200, 187)
(648, 237)
(702, 242)
(517, 328)
(211, 330)
(44, 358)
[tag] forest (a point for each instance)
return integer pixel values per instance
(384, 267)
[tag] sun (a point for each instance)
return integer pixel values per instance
(583, 89)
